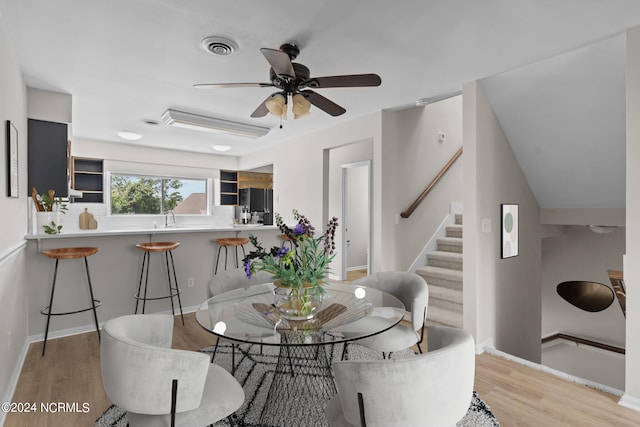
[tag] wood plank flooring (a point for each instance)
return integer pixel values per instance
(517, 395)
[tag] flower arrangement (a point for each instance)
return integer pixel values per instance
(301, 268)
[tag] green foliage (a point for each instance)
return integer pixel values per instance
(144, 195)
(307, 263)
(52, 228)
(52, 203)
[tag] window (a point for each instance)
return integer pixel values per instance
(134, 194)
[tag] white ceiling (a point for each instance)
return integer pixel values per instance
(127, 61)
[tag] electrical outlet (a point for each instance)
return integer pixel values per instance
(190, 282)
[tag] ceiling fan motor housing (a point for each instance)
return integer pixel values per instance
(292, 85)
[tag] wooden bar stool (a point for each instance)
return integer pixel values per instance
(69, 253)
(174, 291)
(225, 243)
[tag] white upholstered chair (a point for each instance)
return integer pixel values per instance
(431, 389)
(139, 369)
(229, 280)
(412, 290)
(232, 280)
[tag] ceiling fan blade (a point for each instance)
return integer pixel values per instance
(351, 80)
(228, 85)
(262, 110)
(323, 103)
(279, 61)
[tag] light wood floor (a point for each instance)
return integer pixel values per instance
(517, 395)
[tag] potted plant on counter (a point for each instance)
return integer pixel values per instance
(299, 272)
(48, 211)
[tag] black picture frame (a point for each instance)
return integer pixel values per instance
(509, 230)
(12, 160)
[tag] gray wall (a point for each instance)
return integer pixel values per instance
(632, 259)
(580, 254)
(502, 296)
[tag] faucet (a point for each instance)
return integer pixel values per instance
(166, 219)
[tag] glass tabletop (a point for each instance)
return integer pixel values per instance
(346, 313)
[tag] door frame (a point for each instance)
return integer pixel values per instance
(343, 212)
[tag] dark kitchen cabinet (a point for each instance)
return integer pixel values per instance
(48, 157)
(88, 178)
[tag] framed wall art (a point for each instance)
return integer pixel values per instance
(12, 160)
(509, 230)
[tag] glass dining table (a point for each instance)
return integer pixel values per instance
(304, 348)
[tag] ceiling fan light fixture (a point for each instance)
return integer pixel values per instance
(277, 105)
(199, 122)
(300, 106)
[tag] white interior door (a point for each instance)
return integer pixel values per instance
(356, 190)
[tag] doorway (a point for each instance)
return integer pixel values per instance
(356, 211)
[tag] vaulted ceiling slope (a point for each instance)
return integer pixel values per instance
(565, 120)
(127, 61)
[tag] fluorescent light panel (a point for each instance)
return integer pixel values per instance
(212, 124)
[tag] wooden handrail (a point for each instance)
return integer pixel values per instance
(584, 341)
(414, 205)
(617, 281)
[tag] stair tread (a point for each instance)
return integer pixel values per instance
(449, 256)
(445, 293)
(451, 240)
(444, 273)
(444, 317)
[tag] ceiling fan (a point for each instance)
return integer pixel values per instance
(293, 81)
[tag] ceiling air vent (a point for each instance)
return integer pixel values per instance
(219, 46)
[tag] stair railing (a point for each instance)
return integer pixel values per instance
(420, 198)
(583, 341)
(617, 281)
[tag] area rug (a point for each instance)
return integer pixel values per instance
(255, 370)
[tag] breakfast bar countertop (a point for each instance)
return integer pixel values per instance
(123, 231)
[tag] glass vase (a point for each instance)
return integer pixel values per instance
(297, 303)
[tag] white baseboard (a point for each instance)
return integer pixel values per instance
(630, 402)
(482, 346)
(556, 373)
(13, 382)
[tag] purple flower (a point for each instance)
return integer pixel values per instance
(282, 251)
(247, 268)
(299, 230)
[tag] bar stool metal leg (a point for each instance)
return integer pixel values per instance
(146, 280)
(93, 301)
(53, 289)
(175, 281)
(140, 283)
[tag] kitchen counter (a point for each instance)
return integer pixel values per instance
(123, 231)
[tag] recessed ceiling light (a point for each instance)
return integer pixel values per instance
(129, 136)
(221, 147)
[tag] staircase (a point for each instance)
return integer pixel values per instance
(443, 274)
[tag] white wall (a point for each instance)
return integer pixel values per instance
(632, 258)
(13, 289)
(413, 157)
(580, 254)
(502, 296)
(302, 173)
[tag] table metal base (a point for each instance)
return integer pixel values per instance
(302, 382)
